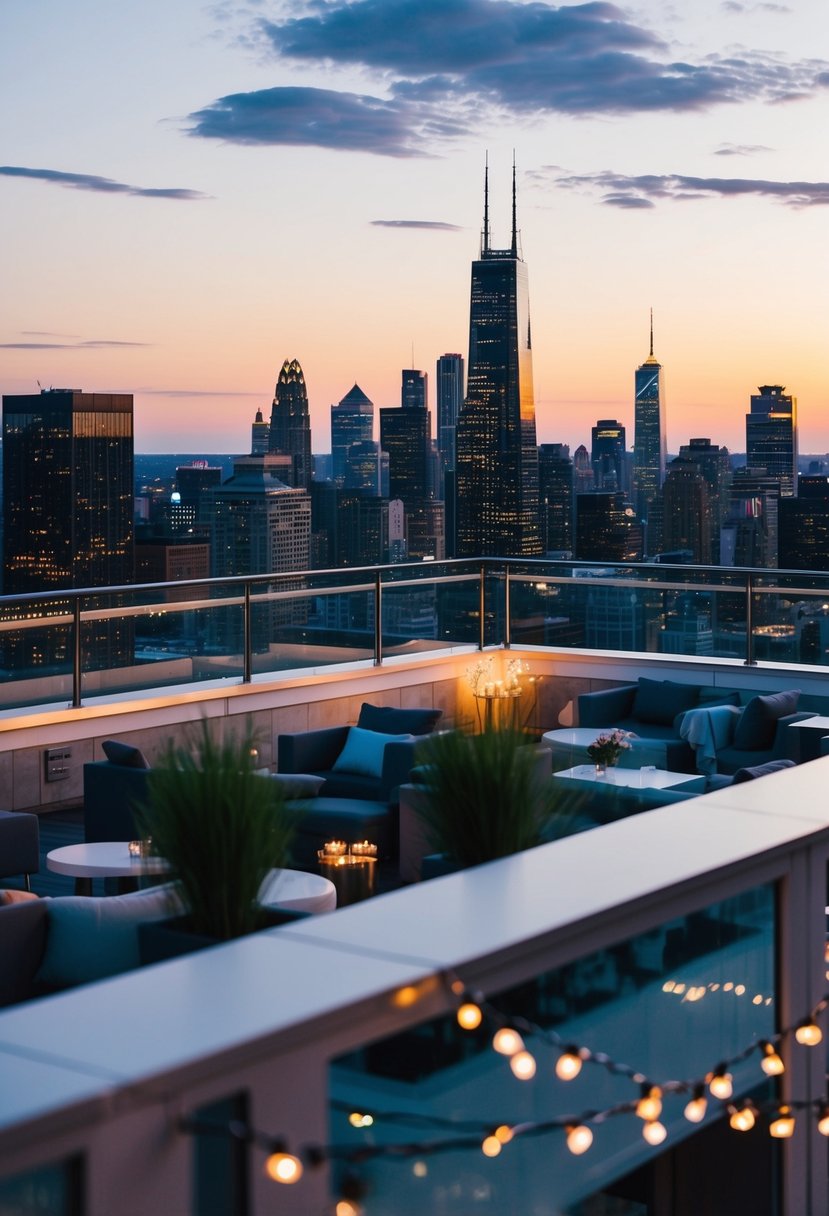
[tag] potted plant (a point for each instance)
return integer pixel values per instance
(222, 828)
(485, 796)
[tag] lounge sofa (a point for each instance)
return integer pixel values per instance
(652, 710)
(363, 768)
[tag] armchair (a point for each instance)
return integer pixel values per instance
(19, 845)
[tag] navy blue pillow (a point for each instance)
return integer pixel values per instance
(760, 770)
(388, 720)
(757, 724)
(659, 701)
(124, 754)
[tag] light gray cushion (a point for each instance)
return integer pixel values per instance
(363, 752)
(90, 938)
(298, 785)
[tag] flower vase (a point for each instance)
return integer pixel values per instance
(601, 771)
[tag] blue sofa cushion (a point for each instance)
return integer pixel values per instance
(760, 770)
(659, 701)
(364, 752)
(124, 754)
(298, 785)
(757, 724)
(387, 720)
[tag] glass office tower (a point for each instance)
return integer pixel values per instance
(290, 430)
(649, 441)
(497, 458)
(771, 436)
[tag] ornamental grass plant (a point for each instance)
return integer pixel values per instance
(484, 796)
(221, 827)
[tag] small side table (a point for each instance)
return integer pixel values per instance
(500, 708)
(101, 859)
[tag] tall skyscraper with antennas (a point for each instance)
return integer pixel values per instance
(496, 453)
(649, 441)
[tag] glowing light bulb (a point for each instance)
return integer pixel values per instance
(579, 1139)
(523, 1065)
(649, 1106)
(721, 1085)
(739, 990)
(669, 985)
(771, 1063)
(491, 1146)
(808, 1034)
(823, 1121)
(347, 1207)
(503, 1133)
(783, 1126)
(654, 1132)
(358, 1120)
(696, 1108)
(469, 1016)
(420, 1169)
(283, 1167)
(507, 1041)
(742, 1120)
(568, 1065)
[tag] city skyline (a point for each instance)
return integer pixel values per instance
(275, 195)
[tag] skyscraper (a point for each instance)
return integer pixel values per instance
(404, 434)
(290, 433)
(68, 487)
(450, 397)
(352, 421)
(649, 442)
(608, 455)
(804, 526)
(771, 436)
(555, 489)
(260, 435)
(497, 458)
(687, 515)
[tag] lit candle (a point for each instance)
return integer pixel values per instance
(364, 849)
(335, 848)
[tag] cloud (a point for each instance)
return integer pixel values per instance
(322, 118)
(92, 344)
(630, 191)
(433, 225)
(528, 57)
(102, 185)
(627, 202)
(741, 149)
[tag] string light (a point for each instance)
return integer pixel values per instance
(358, 1120)
(742, 1118)
(283, 1167)
(568, 1064)
(696, 1108)
(654, 1132)
(469, 1016)
(491, 1146)
(720, 1083)
(783, 1126)
(523, 1065)
(771, 1063)
(823, 1121)
(808, 1033)
(503, 1133)
(579, 1139)
(649, 1106)
(507, 1042)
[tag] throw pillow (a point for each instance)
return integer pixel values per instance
(298, 785)
(124, 754)
(757, 724)
(760, 770)
(387, 720)
(92, 938)
(364, 750)
(659, 701)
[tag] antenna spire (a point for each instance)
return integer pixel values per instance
(514, 211)
(485, 244)
(651, 354)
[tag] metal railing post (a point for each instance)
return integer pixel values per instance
(749, 659)
(482, 608)
(247, 657)
(76, 653)
(378, 621)
(507, 607)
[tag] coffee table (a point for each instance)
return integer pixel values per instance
(571, 743)
(629, 778)
(814, 729)
(101, 859)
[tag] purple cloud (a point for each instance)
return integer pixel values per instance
(101, 185)
(632, 191)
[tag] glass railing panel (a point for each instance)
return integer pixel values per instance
(36, 653)
(667, 1005)
(790, 617)
(294, 627)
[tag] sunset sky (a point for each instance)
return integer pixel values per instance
(192, 192)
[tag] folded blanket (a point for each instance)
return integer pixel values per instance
(707, 730)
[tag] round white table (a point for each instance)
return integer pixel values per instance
(101, 859)
(299, 891)
(292, 889)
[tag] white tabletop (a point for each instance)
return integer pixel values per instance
(298, 891)
(632, 778)
(102, 859)
(818, 722)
